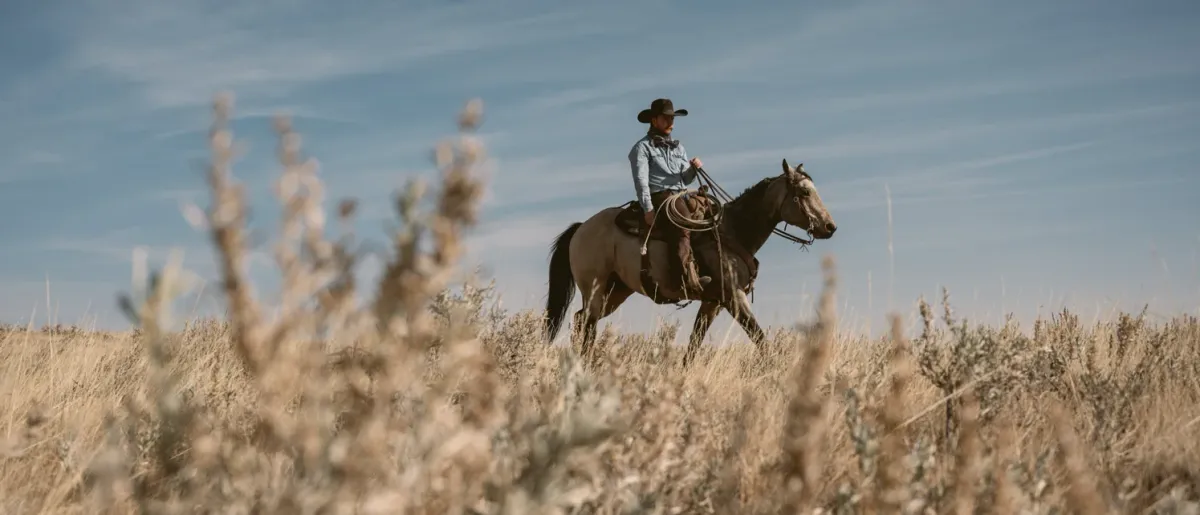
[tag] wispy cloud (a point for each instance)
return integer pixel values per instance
(766, 51)
(114, 245)
(31, 163)
(957, 178)
(298, 114)
(43, 157)
(1102, 69)
(48, 300)
(1085, 187)
(512, 236)
(119, 247)
(952, 182)
(180, 53)
(892, 137)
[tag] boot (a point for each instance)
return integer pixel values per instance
(692, 280)
(695, 281)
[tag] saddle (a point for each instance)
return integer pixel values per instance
(629, 219)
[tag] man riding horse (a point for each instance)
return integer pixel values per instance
(661, 168)
(598, 257)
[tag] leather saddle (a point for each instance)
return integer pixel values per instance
(629, 219)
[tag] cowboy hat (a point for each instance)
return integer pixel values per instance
(660, 106)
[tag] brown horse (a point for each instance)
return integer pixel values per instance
(602, 256)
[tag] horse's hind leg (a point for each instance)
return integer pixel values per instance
(599, 303)
(704, 319)
(585, 327)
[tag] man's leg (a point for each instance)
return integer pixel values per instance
(683, 265)
(690, 206)
(687, 262)
(670, 233)
(645, 274)
(699, 207)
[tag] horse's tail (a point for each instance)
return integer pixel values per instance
(562, 282)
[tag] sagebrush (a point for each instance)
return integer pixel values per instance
(412, 396)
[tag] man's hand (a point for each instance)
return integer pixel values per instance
(650, 217)
(696, 163)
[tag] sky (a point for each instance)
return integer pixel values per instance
(1027, 156)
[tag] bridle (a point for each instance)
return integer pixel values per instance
(798, 198)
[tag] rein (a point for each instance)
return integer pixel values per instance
(724, 197)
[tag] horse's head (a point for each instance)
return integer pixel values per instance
(800, 203)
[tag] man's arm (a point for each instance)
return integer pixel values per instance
(688, 173)
(639, 163)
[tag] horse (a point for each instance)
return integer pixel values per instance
(601, 256)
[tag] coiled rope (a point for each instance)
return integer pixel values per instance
(682, 221)
(676, 217)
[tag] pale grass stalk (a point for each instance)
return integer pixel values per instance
(804, 427)
(890, 494)
(1082, 492)
(969, 459)
(891, 250)
(1008, 494)
(226, 218)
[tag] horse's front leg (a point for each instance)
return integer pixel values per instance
(740, 309)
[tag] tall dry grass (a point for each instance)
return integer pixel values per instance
(420, 401)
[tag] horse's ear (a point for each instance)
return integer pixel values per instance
(786, 168)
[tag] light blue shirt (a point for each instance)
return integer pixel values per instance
(657, 169)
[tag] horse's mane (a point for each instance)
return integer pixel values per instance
(747, 200)
(745, 214)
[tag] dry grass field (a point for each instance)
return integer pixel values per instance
(398, 398)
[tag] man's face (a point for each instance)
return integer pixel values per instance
(664, 123)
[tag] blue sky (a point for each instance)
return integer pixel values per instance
(1038, 154)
